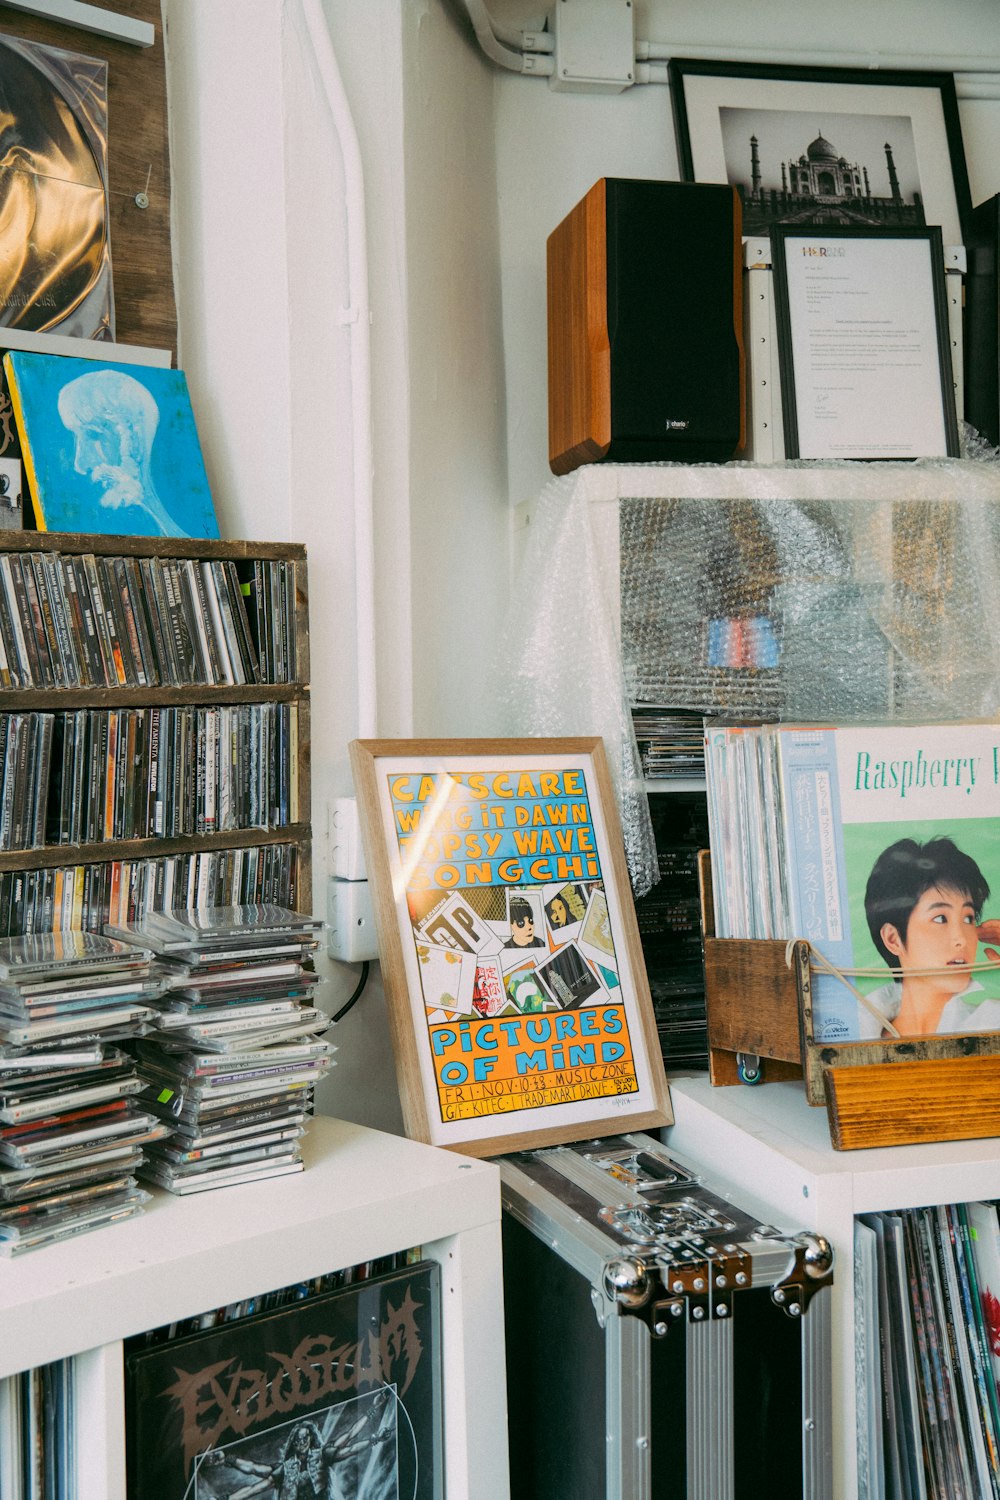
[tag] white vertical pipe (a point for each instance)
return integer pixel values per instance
(358, 316)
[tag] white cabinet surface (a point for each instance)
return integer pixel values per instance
(363, 1194)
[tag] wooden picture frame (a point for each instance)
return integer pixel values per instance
(519, 1008)
(869, 145)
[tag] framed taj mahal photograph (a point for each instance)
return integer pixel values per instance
(825, 146)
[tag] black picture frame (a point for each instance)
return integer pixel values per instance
(782, 235)
(982, 321)
(346, 1383)
(862, 99)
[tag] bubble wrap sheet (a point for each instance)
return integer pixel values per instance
(825, 591)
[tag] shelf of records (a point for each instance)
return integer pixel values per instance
(89, 895)
(926, 1287)
(914, 1230)
(181, 1048)
(671, 746)
(77, 616)
(154, 727)
(91, 775)
(40, 1407)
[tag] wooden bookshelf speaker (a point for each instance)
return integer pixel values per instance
(645, 322)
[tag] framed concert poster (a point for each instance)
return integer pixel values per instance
(519, 1008)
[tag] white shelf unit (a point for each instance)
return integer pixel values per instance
(773, 1152)
(363, 1195)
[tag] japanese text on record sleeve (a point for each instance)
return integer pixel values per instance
(816, 836)
(518, 966)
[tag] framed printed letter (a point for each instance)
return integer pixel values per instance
(518, 1001)
(863, 343)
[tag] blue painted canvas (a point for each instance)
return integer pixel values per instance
(109, 448)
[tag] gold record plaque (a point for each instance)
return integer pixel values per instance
(55, 255)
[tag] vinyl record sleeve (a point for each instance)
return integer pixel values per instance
(862, 804)
(336, 1394)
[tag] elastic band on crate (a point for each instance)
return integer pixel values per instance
(818, 963)
(822, 965)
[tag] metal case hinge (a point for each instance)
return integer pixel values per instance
(810, 1268)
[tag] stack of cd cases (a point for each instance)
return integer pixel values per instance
(71, 1131)
(236, 1052)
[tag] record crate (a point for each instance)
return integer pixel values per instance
(758, 998)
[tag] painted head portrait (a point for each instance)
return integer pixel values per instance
(109, 447)
(113, 420)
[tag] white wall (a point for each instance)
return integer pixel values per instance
(261, 251)
(552, 147)
(262, 278)
(467, 170)
(458, 483)
(231, 288)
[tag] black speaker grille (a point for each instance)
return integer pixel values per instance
(675, 358)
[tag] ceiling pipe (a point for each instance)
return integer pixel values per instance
(486, 36)
(975, 77)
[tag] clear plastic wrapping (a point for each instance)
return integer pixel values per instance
(834, 592)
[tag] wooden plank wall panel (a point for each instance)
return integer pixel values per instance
(138, 150)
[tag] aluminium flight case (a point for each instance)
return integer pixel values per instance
(662, 1344)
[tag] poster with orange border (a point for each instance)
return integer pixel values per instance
(519, 1007)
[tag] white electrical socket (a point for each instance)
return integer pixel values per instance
(351, 921)
(346, 854)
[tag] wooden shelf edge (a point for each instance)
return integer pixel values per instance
(911, 1103)
(41, 700)
(57, 856)
(149, 546)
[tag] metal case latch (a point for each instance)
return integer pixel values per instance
(696, 1286)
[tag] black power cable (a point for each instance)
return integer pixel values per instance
(358, 991)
